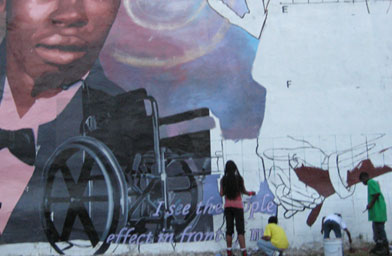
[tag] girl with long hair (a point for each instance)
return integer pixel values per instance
(232, 187)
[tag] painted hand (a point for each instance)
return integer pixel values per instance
(292, 194)
(301, 153)
(253, 21)
(303, 175)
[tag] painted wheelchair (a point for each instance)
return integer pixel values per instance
(122, 173)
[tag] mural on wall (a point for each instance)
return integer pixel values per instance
(302, 176)
(108, 112)
(187, 60)
(91, 151)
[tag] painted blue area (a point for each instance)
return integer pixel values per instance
(263, 201)
(211, 194)
(220, 80)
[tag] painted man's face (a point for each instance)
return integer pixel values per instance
(60, 39)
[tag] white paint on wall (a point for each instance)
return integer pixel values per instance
(328, 73)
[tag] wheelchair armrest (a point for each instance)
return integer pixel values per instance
(188, 115)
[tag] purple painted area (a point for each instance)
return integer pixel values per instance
(263, 201)
(211, 194)
(205, 62)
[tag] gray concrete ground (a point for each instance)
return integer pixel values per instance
(358, 251)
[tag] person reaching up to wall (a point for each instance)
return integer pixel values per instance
(232, 187)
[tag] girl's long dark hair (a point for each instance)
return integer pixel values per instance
(232, 181)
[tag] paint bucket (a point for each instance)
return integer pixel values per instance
(333, 247)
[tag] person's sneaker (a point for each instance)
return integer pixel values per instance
(253, 250)
(380, 251)
(376, 248)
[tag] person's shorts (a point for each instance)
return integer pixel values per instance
(234, 214)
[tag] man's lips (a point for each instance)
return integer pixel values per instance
(61, 49)
(65, 48)
(60, 54)
(58, 40)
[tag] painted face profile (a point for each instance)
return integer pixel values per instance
(55, 42)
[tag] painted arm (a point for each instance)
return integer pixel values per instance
(249, 193)
(253, 21)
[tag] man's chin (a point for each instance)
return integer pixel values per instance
(50, 84)
(45, 94)
(58, 74)
(45, 86)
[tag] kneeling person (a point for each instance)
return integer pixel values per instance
(274, 238)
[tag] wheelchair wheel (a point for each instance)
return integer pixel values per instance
(85, 197)
(146, 197)
(183, 188)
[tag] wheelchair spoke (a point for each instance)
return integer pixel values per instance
(88, 226)
(68, 224)
(82, 199)
(68, 179)
(76, 191)
(86, 170)
(141, 197)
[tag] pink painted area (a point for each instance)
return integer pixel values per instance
(143, 39)
(15, 174)
(14, 177)
(191, 126)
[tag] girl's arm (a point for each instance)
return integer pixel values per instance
(249, 193)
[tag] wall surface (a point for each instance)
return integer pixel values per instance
(135, 106)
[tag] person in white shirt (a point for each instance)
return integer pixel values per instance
(336, 223)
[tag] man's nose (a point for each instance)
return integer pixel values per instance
(69, 13)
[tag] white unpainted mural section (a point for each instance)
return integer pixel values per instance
(327, 67)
